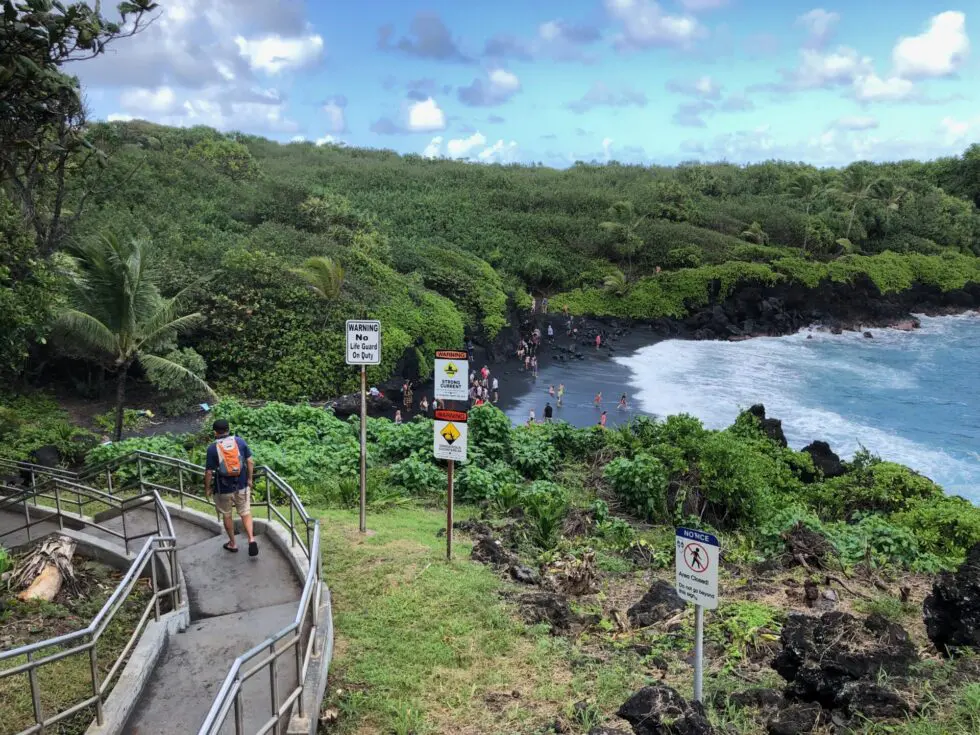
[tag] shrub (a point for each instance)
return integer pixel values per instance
(545, 506)
(946, 526)
(489, 432)
(531, 452)
(641, 483)
(418, 476)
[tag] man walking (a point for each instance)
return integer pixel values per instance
(230, 464)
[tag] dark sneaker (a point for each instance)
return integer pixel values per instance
(253, 548)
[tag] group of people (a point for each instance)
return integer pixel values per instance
(483, 388)
(408, 400)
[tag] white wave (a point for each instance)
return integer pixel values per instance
(715, 380)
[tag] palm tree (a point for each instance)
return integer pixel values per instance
(806, 188)
(857, 187)
(622, 225)
(324, 275)
(616, 283)
(118, 316)
(755, 233)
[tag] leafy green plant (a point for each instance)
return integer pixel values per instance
(418, 476)
(641, 483)
(545, 506)
(6, 561)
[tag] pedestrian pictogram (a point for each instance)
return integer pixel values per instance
(450, 433)
(696, 557)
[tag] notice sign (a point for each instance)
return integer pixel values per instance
(449, 438)
(363, 342)
(452, 376)
(697, 567)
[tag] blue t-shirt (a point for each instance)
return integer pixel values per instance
(229, 484)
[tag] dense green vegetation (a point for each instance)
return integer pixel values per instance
(437, 249)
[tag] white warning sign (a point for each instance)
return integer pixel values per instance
(452, 376)
(449, 437)
(697, 567)
(363, 342)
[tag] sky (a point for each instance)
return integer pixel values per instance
(559, 81)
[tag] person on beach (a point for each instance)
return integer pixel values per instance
(551, 333)
(435, 404)
(530, 417)
(398, 417)
(602, 420)
(548, 413)
(564, 309)
(534, 366)
(496, 390)
(469, 349)
(424, 405)
(597, 401)
(485, 372)
(229, 463)
(407, 397)
(551, 391)
(598, 341)
(561, 392)
(527, 363)
(544, 305)
(622, 401)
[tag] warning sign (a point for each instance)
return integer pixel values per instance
(363, 342)
(452, 369)
(697, 567)
(449, 439)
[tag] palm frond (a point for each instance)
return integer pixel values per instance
(85, 328)
(164, 325)
(160, 369)
(324, 275)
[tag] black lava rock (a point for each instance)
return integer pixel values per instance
(659, 602)
(662, 711)
(952, 611)
(795, 719)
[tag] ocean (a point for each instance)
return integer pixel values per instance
(910, 397)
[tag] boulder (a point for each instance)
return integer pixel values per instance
(350, 405)
(822, 655)
(873, 701)
(46, 456)
(795, 719)
(660, 602)
(661, 710)
(488, 550)
(523, 575)
(547, 607)
(825, 460)
(868, 335)
(952, 611)
(773, 428)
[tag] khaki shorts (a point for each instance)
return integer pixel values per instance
(240, 499)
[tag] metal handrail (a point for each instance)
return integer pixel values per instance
(290, 637)
(86, 640)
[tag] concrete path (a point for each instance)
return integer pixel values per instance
(235, 601)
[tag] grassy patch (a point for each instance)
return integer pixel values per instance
(428, 646)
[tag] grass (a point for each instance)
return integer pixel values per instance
(428, 646)
(68, 681)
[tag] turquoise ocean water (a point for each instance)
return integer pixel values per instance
(911, 397)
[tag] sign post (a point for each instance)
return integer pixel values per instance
(449, 443)
(363, 348)
(696, 562)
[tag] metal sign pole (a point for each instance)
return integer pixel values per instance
(698, 651)
(449, 515)
(363, 449)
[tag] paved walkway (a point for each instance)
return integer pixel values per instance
(236, 602)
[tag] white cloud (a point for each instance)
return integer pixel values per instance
(607, 148)
(434, 149)
(274, 54)
(872, 88)
(956, 132)
(461, 147)
(426, 116)
(818, 69)
(820, 25)
(645, 24)
(327, 140)
(500, 152)
(336, 115)
(499, 86)
(149, 101)
(857, 122)
(225, 115)
(298, 139)
(940, 51)
(119, 117)
(704, 87)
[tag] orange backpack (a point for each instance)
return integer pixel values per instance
(229, 457)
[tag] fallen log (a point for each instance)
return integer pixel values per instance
(42, 572)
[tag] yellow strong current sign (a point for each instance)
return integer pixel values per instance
(450, 433)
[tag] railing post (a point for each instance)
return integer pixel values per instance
(27, 516)
(268, 498)
(108, 479)
(239, 712)
(174, 582)
(139, 464)
(292, 525)
(298, 650)
(122, 512)
(274, 685)
(96, 689)
(35, 690)
(156, 586)
(180, 486)
(57, 504)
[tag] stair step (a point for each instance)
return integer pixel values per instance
(190, 672)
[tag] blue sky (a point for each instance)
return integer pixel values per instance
(555, 82)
